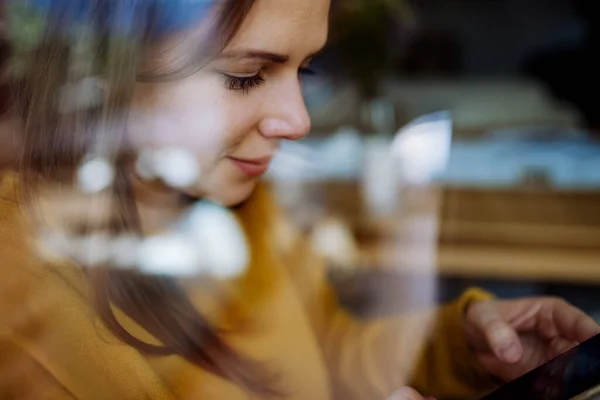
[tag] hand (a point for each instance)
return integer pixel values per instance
(512, 337)
(407, 393)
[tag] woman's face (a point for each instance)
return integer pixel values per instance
(232, 114)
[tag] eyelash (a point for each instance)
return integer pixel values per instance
(307, 72)
(245, 83)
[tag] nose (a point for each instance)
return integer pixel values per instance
(286, 116)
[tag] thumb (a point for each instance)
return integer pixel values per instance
(500, 337)
(407, 393)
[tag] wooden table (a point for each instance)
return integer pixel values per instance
(508, 234)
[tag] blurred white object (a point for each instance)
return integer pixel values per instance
(333, 239)
(380, 184)
(341, 155)
(145, 164)
(220, 237)
(54, 244)
(294, 161)
(177, 167)
(417, 154)
(95, 175)
(422, 148)
(91, 250)
(170, 254)
(337, 157)
(207, 240)
(570, 160)
(124, 251)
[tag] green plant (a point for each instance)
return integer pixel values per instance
(362, 37)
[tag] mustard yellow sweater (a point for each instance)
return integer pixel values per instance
(53, 346)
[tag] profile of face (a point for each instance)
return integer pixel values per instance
(233, 113)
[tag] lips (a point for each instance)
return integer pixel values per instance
(252, 167)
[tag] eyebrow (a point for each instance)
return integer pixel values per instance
(256, 54)
(262, 55)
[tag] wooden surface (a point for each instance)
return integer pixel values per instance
(520, 233)
(512, 234)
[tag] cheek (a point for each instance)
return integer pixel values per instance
(197, 114)
(185, 114)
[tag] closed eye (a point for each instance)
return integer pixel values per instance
(242, 83)
(307, 71)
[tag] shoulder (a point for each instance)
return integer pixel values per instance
(27, 278)
(15, 238)
(8, 179)
(13, 231)
(22, 377)
(9, 205)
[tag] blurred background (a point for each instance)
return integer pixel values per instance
(455, 143)
(455, 139)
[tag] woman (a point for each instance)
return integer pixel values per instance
(100, 84)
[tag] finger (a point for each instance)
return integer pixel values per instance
(491, 364)
(406, 393)
(559, 346)
(571, 323)
(501, 338)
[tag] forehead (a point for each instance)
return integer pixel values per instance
(290, 27)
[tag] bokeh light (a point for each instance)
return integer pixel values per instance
(95, 175)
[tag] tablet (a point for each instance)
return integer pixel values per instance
(574, 375)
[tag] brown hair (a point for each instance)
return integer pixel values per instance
(53, 145)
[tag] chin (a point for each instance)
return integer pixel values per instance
(228, 195)
(234, 197)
